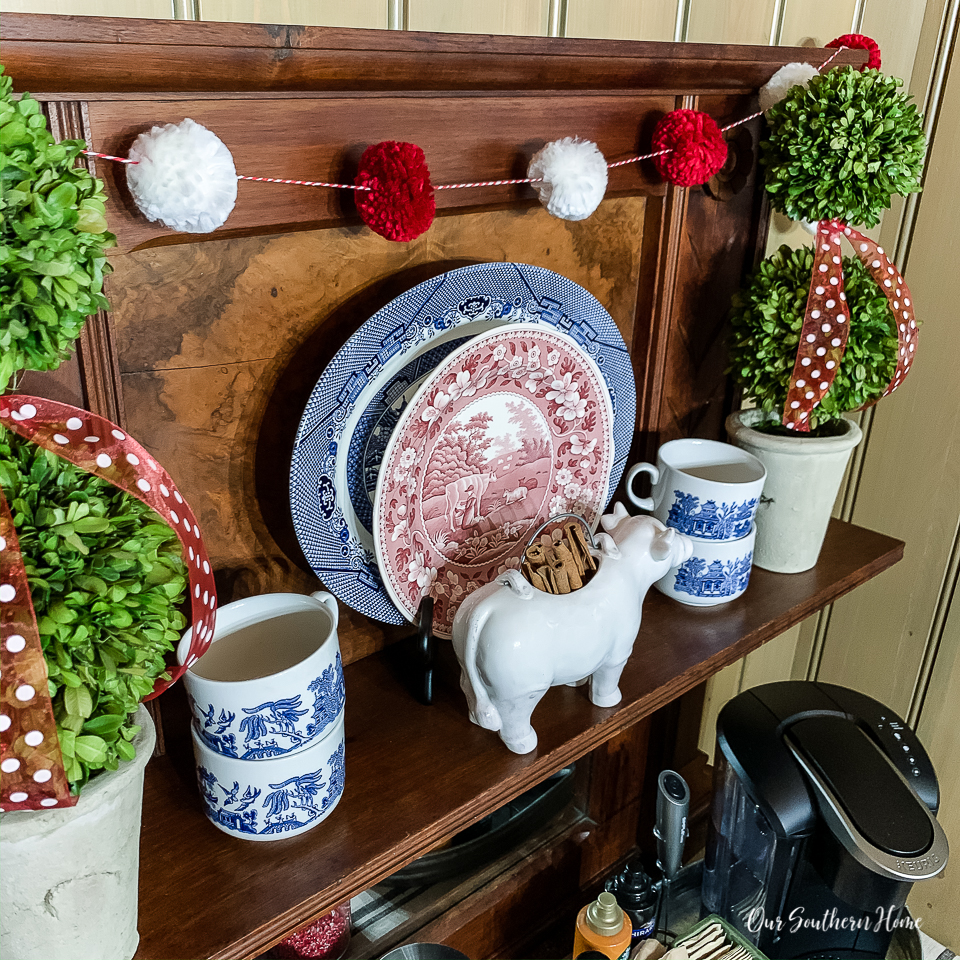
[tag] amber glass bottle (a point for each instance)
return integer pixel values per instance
(604, 927)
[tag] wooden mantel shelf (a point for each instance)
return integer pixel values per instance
(416, 775)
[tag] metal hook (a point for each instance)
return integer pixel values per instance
(554, 519)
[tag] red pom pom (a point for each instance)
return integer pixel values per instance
(857, 41)
(697, 148)
(399, 204)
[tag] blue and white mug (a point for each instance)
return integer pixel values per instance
(274, 798)
(702, 488)
(271, 683)
(717, 572)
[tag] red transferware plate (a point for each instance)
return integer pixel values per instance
(510, 429)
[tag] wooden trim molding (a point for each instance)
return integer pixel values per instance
(91, 55)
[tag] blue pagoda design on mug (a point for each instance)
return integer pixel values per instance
(710, 520)
(290, 805)
(716, 579)
(274, 728)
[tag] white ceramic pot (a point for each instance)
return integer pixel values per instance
(271, 683)
(69, 880)
(274, 798)
(803, 477)
(703, 488)
(717, 572)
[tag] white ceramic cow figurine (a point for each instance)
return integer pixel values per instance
(514, 641)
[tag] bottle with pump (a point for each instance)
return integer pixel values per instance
(602, 926)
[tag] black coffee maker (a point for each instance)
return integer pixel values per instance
(821, 821)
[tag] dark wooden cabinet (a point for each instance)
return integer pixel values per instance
(213, 344)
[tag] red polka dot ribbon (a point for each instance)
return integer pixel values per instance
(30, 759)
(31, 763)
(823, 336)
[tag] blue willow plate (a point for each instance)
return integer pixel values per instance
(359, 397)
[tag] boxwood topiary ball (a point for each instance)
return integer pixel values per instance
(52, 240)
(766, 319)
(841, 146)
(107, 579)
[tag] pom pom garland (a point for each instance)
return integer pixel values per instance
(573, 175)
(398, 203)
(183, 175)
(696, 145)
(858, 41)
(788, 76)
(173, 180)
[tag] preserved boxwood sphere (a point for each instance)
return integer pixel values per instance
(841, 146)
(766, 320)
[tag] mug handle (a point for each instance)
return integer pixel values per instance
(330, 601)
(644, 503)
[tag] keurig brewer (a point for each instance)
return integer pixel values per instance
(822, 819)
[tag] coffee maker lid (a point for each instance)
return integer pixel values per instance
(865, 800)
(806, 751)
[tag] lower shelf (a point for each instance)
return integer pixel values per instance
(416, 775)
(390, 914)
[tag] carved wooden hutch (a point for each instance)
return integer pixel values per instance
(213, 344)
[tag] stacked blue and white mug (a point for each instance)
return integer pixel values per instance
(267, 703)
(710, 492)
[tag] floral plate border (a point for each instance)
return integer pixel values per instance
(450, 514)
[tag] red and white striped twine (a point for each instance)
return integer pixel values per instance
(486, 183)
(463, 186)
(643, 156)
(107, 156)
(831, 58)
(305, 183)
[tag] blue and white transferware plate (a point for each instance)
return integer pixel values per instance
(359, 397)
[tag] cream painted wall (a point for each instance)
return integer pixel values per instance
(154, 9)
(936, 903)
(616, 20)
(899, 638)
(313, 13)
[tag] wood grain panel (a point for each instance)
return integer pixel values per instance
(747, 21)
(617, 20)
(715, 248)
(240, 331)
(515, 17)
(323, 13)
(617, 771)
(482, 137)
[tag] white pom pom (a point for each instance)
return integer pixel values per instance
(185, 177)
(778, 86)
(574, 176)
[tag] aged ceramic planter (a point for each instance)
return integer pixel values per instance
(803, 478)
(70, 877)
